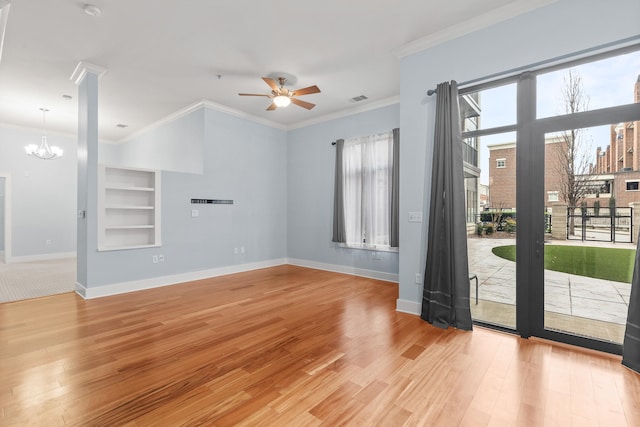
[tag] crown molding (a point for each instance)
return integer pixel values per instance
(83, 68)
(237, 113)
(346, 113)
(194, 107)
(50, 132)
(480, 22)
(167, 119)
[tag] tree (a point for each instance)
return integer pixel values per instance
(572, 148)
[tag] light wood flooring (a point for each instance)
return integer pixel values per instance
(288, 346)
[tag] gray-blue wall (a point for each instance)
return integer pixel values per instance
(43, 194)
(311, 164)
(243, 161)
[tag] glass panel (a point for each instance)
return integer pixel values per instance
(488, 108)
(589, 256)
(606, 83)
(493, 229)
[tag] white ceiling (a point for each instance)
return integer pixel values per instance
(163, 56)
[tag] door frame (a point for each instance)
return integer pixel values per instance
(7, 216)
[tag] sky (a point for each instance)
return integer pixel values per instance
(607, 83)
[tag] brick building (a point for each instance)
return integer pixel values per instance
(502, 174)
(615, 173)
(620, 160)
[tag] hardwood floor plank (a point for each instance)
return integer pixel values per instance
(288, 346)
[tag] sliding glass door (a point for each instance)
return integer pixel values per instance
(590, 133)
(558, 180)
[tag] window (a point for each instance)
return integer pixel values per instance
(552, 196)
(367, 166)
(501, 163)
(632, 185)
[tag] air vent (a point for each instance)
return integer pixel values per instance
(358, 98)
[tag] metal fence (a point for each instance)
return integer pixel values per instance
(599, 224)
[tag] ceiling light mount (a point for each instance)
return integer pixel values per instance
(92, 10)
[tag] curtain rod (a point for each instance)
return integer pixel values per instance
(625, 44)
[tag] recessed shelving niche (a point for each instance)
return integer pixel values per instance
(129, 208)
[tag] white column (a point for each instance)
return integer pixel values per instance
(86, 76)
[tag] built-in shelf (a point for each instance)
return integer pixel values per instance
(129, 208)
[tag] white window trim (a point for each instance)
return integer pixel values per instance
(504, 163)
(367, 247)
(557, 196)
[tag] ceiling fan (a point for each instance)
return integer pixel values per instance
(282, 97)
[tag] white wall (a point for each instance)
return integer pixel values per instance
(311, 164)
(562, 28)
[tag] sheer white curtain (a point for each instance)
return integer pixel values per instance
(367, 169)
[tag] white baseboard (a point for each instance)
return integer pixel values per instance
(156, 282)
(371, 274)
(409, 307)
(41, 257)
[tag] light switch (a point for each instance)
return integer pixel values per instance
(195, 213)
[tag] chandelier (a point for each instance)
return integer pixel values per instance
(43, 151)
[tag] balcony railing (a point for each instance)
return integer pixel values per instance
(469, 154)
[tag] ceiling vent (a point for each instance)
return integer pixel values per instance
(358, 98)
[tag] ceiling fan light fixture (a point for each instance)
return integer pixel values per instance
(282, 101)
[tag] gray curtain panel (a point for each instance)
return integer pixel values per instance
(631, 344)
(339, 233)
(445, 300)
(395, 192)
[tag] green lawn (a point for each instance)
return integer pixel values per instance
(600, 263)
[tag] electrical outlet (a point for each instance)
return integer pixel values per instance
(48, 242)
(241, 249)
(195, 213)
(418, 279)
(154, 259)
(235, 251)
(161, 258)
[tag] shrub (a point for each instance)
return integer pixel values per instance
(479, 229)
(510, 225)
(488, 229)
(489, 216)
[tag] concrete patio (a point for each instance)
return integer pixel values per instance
(577, 304)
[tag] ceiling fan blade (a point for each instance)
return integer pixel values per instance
(303, 104)
(253, 94)
(272, 107)
(272, 84)
(307, 90)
